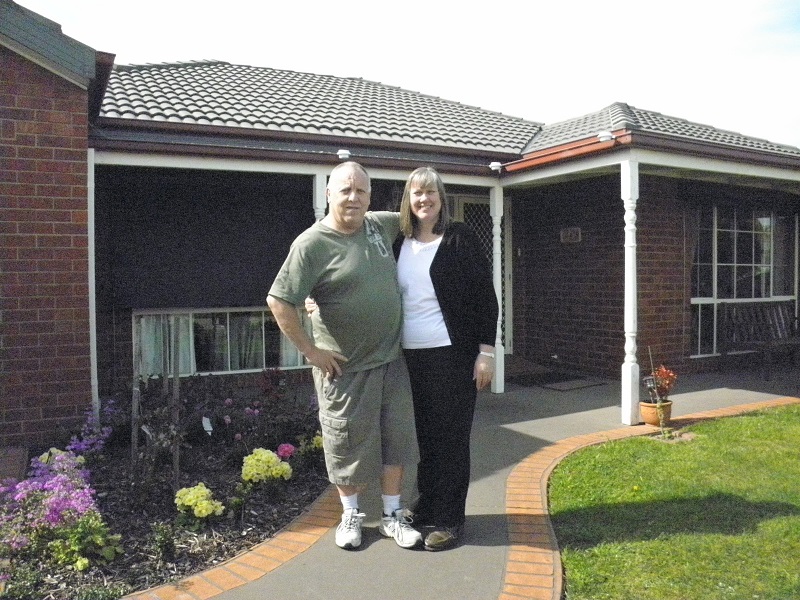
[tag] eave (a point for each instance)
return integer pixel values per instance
(233, 142)
(624, 138)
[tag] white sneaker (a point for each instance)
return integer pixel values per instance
(348, 533)
(398, 526)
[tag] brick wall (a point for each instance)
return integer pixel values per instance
(665, 261)
(568, 297)
(46, 384)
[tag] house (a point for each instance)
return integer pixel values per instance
(147, 208)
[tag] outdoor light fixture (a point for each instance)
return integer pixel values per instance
(496, 166)
(343, 154)
(605, 136)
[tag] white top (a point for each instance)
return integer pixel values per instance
(423, 324)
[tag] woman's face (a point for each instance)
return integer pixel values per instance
(425, 202)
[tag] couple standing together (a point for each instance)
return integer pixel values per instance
(404, 328)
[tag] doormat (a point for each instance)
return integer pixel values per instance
(572, 384)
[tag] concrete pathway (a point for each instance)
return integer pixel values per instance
(509, 552)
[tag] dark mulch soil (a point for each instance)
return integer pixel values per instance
(133, 503)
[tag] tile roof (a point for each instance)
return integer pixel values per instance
(623, 116)
(215, 93)
(33, 35)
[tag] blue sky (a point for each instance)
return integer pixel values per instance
(732, 64)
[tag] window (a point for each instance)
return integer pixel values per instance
(218, 341)
(740, 255)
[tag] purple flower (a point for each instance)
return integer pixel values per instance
(227, 419)
(92, 437)
(228, 401)
(56, 494)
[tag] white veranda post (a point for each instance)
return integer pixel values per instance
(496, 212)
(630, 368)
(320, 200)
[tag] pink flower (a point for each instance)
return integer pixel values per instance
(238, 437)
(228, 401)
(285, 451)
(227, 419)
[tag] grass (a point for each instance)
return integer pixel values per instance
(714, 514)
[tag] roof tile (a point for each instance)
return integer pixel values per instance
(230, 95)
(246, 97)
(623, 116)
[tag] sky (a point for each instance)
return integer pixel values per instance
(731, 64)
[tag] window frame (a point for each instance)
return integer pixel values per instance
(287, 352)
(698, 302)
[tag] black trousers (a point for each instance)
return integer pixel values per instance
(444, 405)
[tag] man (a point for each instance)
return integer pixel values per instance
(345, 263)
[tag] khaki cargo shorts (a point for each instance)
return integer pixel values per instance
(367, 421)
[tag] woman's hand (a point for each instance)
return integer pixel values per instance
(483, 371)
(311, 306)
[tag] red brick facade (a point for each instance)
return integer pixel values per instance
(664, 258)
(46, 386)
(568, 296)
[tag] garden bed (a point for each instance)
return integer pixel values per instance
(141, 539)
(155, 550)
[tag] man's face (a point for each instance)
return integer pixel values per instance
(348, 199)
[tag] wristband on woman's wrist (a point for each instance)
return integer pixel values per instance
(489, 354)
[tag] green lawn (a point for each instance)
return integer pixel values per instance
(713, 515)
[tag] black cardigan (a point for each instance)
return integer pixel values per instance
(462, 280)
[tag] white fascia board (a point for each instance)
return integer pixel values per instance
(655, 158)
(210, 163)
(555, 171)
(713, 165)
(206, 163)
(486, 181)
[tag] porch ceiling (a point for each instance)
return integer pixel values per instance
(732, 179)
(732, 170)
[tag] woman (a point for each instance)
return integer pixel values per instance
(450, 318)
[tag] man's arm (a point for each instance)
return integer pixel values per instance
(288, 320)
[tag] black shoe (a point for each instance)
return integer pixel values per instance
(419, 520)
(443, 538)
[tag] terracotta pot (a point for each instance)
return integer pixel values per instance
(649, 412)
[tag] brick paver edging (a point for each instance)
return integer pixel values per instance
(297, 537)
(533, 563)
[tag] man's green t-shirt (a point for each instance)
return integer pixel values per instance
(353, 280)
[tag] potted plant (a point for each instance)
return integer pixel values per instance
(659, 384)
